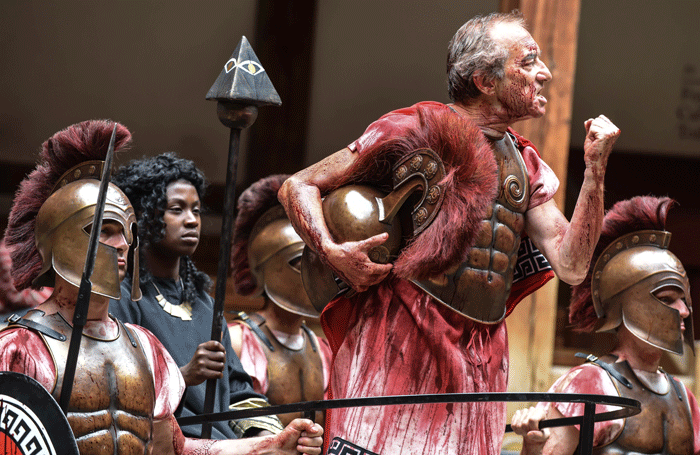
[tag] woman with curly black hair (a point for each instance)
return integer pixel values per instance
(146, 183)
(166, 192)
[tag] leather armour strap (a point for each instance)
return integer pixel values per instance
(614, 373)
(128, 333)
(49, 332)
(676, 386)
(256, 329)
(312, 340)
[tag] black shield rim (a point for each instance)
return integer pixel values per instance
(27, 391)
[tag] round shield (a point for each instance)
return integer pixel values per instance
(31, 422)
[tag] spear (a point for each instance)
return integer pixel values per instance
(242, 86)
(83, 303)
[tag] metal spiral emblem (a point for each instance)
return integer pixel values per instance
(401, 172)
(420, 215)
(433, 195)
(379, 254)
(430, 170)
(416, 162)
(513, 190)
(424, 169)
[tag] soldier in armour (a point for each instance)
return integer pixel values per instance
(126, 385)
(637, 288)
(285, 358)
(429, 319)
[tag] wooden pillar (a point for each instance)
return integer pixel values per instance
(284, 44)
(554, 25)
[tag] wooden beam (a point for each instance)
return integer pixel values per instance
(554, 25)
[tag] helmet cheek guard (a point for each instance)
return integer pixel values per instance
(652, 321)
(62, 236)
(283, 282)
(133, 260)
(274, 252)
(625, 279)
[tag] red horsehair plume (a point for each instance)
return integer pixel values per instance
(252, 204)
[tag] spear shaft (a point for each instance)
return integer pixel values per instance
(85, 289)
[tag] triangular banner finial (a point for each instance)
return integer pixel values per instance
(243, 79)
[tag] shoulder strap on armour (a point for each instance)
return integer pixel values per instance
(607, 367)
(14, 319)
(256, 329)
(312, 338)
(131, 336)
(676, 385)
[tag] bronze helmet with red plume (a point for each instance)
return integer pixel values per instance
(630, 264)
(266, 252)
(53, 209)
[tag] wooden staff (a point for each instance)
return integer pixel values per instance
(241, 87)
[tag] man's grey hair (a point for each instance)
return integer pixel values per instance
(473, 50)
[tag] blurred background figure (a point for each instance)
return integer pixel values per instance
(637, 288)
(12, 300)
(285, 358)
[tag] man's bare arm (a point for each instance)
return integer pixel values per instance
(300, 436)
(568, 246)
(550, 441)
(301, 197)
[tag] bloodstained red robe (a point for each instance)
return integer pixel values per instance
(396, 340)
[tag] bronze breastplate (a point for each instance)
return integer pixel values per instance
(113, 397)
(663, 427)
(294, 376)
(479, 287)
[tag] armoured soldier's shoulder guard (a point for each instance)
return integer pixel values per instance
(255, 327)
(607, 366)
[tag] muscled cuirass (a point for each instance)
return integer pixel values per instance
(294, 375)
(113, 397)
(479, 287)
(663, 427)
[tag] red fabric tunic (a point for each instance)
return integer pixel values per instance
(23, 351)
(396, 340)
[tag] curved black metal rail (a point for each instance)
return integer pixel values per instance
(628, 408)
